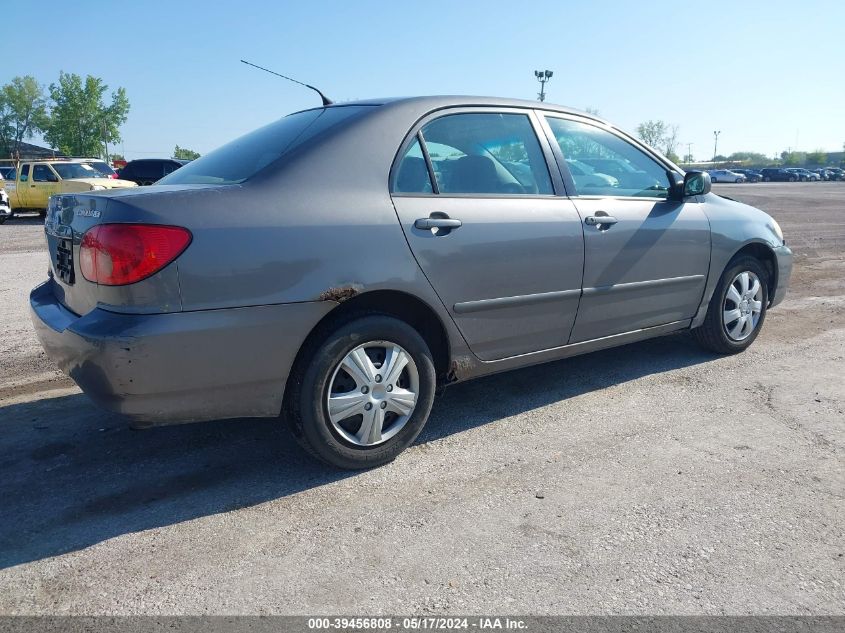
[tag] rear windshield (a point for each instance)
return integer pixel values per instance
(244, 157)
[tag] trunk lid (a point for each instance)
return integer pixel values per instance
(69, 216)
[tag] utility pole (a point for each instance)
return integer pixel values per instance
(715, 145)
(105, 140)
(542, 76)
(689, 153)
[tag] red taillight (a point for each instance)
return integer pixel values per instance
(120, 254)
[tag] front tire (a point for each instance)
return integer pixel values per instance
(738, 308)
(364, 394)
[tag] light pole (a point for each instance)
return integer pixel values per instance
(715, 144)
(689, 153)
(543, 76)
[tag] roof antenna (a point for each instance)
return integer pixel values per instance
(326, 100)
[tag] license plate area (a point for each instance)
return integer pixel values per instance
(64, 261)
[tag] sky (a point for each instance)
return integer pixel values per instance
(767, 74)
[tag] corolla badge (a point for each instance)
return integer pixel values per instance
(88, 213)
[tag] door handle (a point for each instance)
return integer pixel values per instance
(599, 220)
(437, 223)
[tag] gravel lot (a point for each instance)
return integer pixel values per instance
(648, 480)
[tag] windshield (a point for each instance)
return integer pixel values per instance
(102, 167)
(76, 170)
(244, 157)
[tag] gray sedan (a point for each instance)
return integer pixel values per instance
(337, 266)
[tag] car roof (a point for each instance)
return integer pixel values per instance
(436, 102)
(169, 160)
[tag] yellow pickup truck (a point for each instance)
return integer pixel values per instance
(30, 186)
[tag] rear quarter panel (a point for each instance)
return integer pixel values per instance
(320, 225)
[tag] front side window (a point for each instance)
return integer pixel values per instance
(42, 173)
(486, 154)
(604, 164)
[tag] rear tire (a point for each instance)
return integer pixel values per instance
(732, 304)
(377, 341)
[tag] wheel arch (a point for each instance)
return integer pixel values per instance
(396, 303)
(766, 256)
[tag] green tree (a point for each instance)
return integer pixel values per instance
(751, 158)
(23, 112)
(652, 132)
(82, 124)
(661, 136)
(793, 159)
(817, 157)
(185, 154)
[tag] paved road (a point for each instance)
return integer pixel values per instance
(652, 479)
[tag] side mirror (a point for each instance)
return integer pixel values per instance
(696, 183)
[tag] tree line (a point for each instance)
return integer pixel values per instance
(664, 137)
(75, 116)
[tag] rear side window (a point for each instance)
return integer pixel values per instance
(24, 173)
(412, 175)
(148, 170)
(169, 168)
(486, 153)
(244, 157)
(604, 164)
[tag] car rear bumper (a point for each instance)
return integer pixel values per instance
(177, 367)
(783, 254)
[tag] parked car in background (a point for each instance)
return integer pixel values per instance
(146, 171)
(804, 175)
(626, 174)
(5, 207)
(32, 183)
(586, 177)
(725, 175)
(5, 171)
(836, 173)
(283, 273)
(751, 175)
(777, 174)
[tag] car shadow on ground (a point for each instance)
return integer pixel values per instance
(27, 219)
(72, 476)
